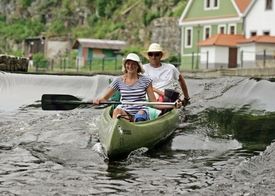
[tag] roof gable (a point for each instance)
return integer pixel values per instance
(242, 4)
(99, 44)
(194, 10)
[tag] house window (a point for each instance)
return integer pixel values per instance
(253, 34)
(216, 3)
(188, 38)
(211, 4)
(268, 5)
(207, 32)
(266, 32)
(221, 29)
(232, 29)
(207, 4)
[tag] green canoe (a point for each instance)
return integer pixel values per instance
(119, 137)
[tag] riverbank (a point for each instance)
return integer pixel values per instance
(268, 72)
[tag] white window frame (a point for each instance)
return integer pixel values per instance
(186, 37)
(219, 28)
(229, 27)
(204, 32)
(211, 6)
(271, 4)
(266, 31)
(217, 7)
(253, 32)
(205, 3)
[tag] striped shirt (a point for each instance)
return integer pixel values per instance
(133, 93)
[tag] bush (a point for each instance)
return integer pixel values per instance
(40, 61)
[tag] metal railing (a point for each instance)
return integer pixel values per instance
(81, 65)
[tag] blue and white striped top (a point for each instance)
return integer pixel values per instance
(134, 93)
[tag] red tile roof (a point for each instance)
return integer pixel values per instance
(259, 39)
(222, 40)
(242, 4)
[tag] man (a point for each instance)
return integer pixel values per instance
(163, 74)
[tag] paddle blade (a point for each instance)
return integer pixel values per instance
(59, 102)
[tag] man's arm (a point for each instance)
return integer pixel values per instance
(184, 89)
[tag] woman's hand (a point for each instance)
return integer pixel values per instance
(178, 104)
(96, 101)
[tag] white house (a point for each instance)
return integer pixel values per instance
(254, 48)
(220, 51)
(258, 50)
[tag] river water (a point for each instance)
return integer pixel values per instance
(224, 144)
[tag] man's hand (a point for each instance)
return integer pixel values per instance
(186, 101)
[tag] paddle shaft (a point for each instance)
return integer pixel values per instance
(133, 103)
(69, 102)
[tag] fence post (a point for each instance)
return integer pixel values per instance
(52, 64)
(103, 64)
(90, 64)
(77, 64)
(179, 61)
(192, 60)
(69, 62)
(47, 64)
(207, 55)
(60, 62)
(64, 68)
(115, 63)
(242, 59)
(36, 65)
(264, 56)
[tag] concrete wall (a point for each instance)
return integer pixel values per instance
(232, 72)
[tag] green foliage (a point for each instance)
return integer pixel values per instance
(23, 4)
(99, 30)
(57, 26)
(67, 8)
(40, 60)
(148, 3)
(92, 19)
(106, 18)
(134, 49)
(48, 3)
(2, 18)
(17, 53)
(21, 29)
(39, 56)
(105, 8)
(178, 12)
(73, 54)
(176, 1)
(148, 17)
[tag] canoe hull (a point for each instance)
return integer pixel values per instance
(119, 137)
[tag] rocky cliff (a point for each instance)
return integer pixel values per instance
(164, 29)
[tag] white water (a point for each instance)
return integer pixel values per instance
(57, 152)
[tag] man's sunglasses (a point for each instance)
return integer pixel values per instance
(154, 54)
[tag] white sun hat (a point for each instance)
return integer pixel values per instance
(154, 47)
(133, 57)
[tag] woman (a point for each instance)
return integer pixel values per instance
(133, 86)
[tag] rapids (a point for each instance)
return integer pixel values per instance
(224, 144)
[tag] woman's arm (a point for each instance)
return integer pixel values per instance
(105, 97)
